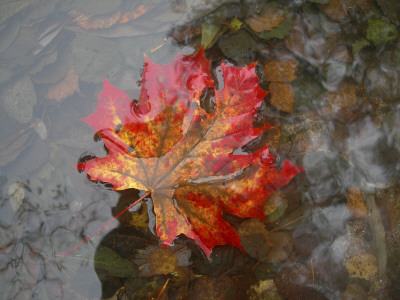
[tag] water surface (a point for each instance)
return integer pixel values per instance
(333, 72)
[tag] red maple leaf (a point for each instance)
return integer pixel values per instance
(168, 145)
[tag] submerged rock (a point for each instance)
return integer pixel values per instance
(382, 83)
(239, 47)
(383, 78)
(19, 100)
(98, 7)
(391, 8)
(95, 58)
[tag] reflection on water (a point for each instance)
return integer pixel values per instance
(333, 71)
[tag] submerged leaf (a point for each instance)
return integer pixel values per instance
(279, 32)
(108, 260)
(208, 34)
(160, 261)
(167, 144)
(235, 24)
(139, 219)
(258, 242)
(275, 207)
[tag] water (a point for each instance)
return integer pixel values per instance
(333, 73)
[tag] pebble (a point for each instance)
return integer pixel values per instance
(19, 100)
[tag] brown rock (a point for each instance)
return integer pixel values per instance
(291, 284)
(283, 71)
(270, 18)
(356, 203)
(336, 9)
(345, 96)
(282, 96)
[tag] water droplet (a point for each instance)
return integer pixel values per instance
(141, 108)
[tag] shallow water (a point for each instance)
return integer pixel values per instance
(333, 72)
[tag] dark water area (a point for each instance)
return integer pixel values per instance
(332, 69)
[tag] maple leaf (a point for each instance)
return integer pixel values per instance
(167, 144)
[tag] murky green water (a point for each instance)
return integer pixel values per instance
(333, 72)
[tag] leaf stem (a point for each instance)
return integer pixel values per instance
(106, 224)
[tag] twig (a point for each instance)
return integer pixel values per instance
(13, 136)
(159, 46)
(312, 272)
(378, 234)
(105, 225)
(255, 266)
(163, 289)
(287, 224)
